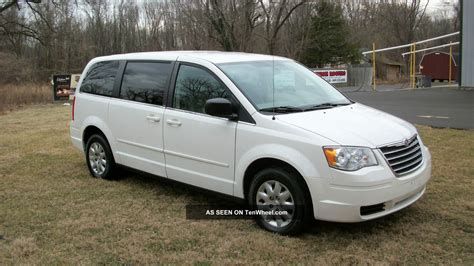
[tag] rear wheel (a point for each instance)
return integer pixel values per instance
(276, 190)
(99, 158)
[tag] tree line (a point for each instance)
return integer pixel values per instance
(39, 38)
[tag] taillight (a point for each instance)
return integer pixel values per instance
(73, 106)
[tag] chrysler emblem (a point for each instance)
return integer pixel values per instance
(407, 141)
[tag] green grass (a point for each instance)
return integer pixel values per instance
(52, 211)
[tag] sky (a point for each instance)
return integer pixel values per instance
(435, 6)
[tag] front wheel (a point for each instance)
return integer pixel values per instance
(99, 158)
(280, 193)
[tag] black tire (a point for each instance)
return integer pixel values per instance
(302, 212)
(104, 171)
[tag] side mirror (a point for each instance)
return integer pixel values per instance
(220, 107)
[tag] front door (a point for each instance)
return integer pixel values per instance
(199, 148)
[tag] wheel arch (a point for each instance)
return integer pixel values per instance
(93, 129)
(267, 162)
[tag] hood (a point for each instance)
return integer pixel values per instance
(355, 125)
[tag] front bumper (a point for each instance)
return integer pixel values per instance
(341, 197)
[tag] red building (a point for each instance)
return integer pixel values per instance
(436, 66)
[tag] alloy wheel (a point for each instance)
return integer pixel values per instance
(97, 158)
(275, 196)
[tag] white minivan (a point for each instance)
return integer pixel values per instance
(256, 127)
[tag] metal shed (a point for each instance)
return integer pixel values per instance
(436, 65)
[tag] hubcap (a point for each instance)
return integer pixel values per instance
(97, 159)
(273, 195)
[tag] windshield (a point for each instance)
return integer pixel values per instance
(296, 87)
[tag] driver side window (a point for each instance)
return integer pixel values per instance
(194, 86)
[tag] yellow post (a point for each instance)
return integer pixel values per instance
(450, 59)
(373, 67)
(411, 64)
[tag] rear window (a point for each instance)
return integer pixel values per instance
(145, 82)
(100, 78)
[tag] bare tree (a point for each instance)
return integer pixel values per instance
(14, 24)
(229, 22)
(154, 19)
(7, 4)
(296, 33)
(402, 18)
(276, 13)
(62, 36)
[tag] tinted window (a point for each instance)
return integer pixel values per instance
(194, 86)
(100, 78)
(145, 82)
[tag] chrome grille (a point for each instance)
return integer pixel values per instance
(403, 157)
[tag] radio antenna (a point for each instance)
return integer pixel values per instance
(273, 86)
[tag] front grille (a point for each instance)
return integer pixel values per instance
(403, 157)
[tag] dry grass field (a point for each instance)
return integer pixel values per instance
(53, 212)
(13, 96)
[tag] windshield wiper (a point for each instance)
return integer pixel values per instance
(282, 109)
(324, 106)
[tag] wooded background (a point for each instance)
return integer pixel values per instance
(41, 38)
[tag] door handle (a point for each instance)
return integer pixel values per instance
(153, 118)
(173, 122)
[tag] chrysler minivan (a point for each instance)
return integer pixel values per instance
(260, 128)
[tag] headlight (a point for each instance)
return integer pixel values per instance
(349, 158)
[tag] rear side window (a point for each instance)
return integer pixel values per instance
(100, 78)
(145, 82)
